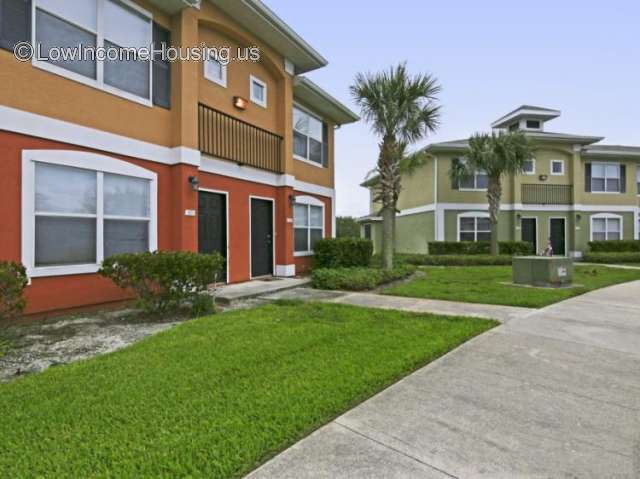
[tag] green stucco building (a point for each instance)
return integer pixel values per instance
(574, 191)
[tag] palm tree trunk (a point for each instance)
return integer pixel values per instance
(388, 180)
(494, 192)
(388, 222)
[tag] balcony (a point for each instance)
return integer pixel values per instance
(225, 137)
(547, 194)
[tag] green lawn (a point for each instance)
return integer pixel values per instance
(485, 284)
(213, 397)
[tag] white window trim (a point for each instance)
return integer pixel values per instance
(219, 81)
(606, 217)
(638, 179)
(475, 182)
(98, 83)
(301, 158)
(605, 192)
(472, 214)
(551, 162)
(87, 161)
(309, 201)
(252, 80)
(533, 172)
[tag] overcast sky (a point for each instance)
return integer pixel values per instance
(581, 57)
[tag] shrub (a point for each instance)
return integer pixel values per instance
(357, 279)
(168, 280)
(623, 246)
(612, 258)
(518, 248)
(13, 280)
(455, 260)
(343, 253)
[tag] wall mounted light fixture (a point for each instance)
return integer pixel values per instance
(240, 103)
(193, 181)
(292, 200)
(543, 177)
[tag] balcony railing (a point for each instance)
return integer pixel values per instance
(547, 194)
(223, 136)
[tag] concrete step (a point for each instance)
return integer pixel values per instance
(258, 287)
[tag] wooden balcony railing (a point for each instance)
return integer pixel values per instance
(547, 194)
(223, 136)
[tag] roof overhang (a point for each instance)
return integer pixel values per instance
(563, 138)
(369, 219)
(526, 111)
(610, 152)
(259, 19)
(322, 102)
(174, 6)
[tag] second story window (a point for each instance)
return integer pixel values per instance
(638, 179)
(117, 25)
(309, 138)
(529, 167)
(557, 167)
(605, 178)
(258, 93)
(216, 72)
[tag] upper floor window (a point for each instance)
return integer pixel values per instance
(529, 167)
(258, 92)
(309, 138)
(605, 178)
(638, 178)
(119, 26)
(478, 181)
(533, 124)
(557, 167)
(474, 227)
(514, 126)
(215, 71)
(308, 218)
(82, 208)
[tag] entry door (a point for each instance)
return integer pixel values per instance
(530, 232)
(212, 224)
(557, 232)
(261, 237)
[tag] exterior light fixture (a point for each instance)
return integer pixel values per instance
(543, 177)
(292, 200)
(240, 103)
(193, 181)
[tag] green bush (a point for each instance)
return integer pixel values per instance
(167, 280)
(517, 248)
(623, 246)
(454, 260)
(357, 279)
(343, 253)
(13, 280)
(612, 258)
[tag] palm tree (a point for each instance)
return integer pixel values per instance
(402, 110)
(497, 154)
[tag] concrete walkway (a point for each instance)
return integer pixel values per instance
(554, 394)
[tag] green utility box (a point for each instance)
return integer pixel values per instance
(545, 271)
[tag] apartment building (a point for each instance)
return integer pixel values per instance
(99, 157)
(575, 190)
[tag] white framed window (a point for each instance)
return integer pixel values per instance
(557, 167)
(79, 208)
(258, 91)
(605, 178)
(529, 167)
(606, 227)
(308, 223)
(308, 137)
(474, 226)
(638, 179)
(479, 181)
(110, 24)
(216, 72)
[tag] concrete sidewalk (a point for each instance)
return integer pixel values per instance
(555, 393)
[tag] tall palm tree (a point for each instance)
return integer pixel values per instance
(498, 155)
(402, 110)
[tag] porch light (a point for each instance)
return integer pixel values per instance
(240, 103)
(292, 200)
(543, 177)
(193, 181)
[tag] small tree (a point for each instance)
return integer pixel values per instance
(497, 154)
(13, 281)
(402, 110)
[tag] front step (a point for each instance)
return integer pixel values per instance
(251, 289)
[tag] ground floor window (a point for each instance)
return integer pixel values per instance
(367, 232)
(606, 227)
(474, 227)
(308, 219)
(82, 208)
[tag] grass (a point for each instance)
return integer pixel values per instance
(485, 284)
(214, 397)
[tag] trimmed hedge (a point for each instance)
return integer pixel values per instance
(455, 260)
(612, 258)
(343, 253)
(13, 280)
(167, 280)
(513, 248)
(622, 246)
(357, 279)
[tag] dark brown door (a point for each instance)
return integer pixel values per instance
(212, 224)
(557, 233)
(261, 237)
(530, 232)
